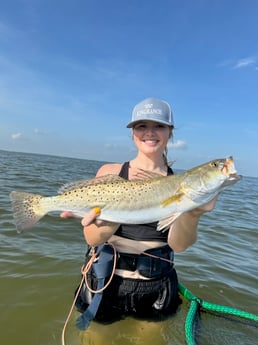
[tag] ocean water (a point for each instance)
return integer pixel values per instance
(41, 269)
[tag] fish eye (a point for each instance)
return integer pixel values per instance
(214, 164)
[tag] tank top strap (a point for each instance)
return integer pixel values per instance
(124, 170)
(170, 171)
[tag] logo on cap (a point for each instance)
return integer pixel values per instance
(149, 110)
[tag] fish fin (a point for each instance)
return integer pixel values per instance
(88, 182)
(164, 224)
(26, 209)
(174, 198)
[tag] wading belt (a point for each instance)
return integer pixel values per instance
(151, 263)
(102, 267)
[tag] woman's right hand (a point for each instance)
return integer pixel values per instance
(89, 218)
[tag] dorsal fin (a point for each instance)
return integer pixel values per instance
(89, 182)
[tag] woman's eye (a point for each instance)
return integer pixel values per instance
(140, 127)
(145, 127)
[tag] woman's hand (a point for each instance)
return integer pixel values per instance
(183, 232)
(89, 218)
(208, 207)
(67, 214)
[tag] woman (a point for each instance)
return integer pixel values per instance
(145, 282)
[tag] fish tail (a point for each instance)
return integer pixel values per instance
(26, 209)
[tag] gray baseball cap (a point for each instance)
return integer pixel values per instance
(152, 109)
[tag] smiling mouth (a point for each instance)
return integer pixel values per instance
(151, 141)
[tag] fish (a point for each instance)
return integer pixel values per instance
(154, 198)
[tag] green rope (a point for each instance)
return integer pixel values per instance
(196, 303)
(189, 322)
(229, 310)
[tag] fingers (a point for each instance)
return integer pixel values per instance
(210, 205)
(88, 219)
(91, 216)
(67, 214)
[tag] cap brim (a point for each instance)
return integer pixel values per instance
(132, 123)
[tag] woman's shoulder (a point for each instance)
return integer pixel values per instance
(110, 168)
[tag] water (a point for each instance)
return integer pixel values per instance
(41, 269)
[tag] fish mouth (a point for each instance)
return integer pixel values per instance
(232, 179)
(230, 171)
(234, 176)
(229, 168)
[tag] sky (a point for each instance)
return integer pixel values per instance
(72, 71)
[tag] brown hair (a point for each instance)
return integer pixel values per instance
(165, 153)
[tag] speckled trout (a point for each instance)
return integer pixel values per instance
(154, 198)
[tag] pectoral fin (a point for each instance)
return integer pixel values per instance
(175, 198)
(165, 224)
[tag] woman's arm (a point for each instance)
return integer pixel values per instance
(96, 234)
(183, 232)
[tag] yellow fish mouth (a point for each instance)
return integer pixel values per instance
(229, 168)
(230, 171)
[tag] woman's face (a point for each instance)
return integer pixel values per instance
(151, 137)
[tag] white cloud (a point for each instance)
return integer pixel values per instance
(18, 136)
(110, 146)
(39, 132)
(178, 145)
(249, 61)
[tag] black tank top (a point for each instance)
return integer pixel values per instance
(141, 232)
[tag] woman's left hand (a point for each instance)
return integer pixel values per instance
(208, 207)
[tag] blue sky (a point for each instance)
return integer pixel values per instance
(71, 72)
